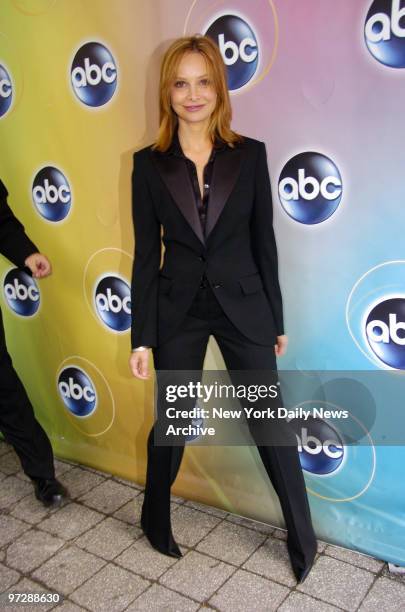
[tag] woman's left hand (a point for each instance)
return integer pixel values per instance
(281, 347)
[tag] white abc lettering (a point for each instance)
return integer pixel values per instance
(386, 332)
(326, 447)
(18, 291)
(300, 188)
(237, 51)
(387, 25)
(5, 88)
(49, 194)
(112, 302)
(75, 391)
(92, 74)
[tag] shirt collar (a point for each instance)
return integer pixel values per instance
(175, 147)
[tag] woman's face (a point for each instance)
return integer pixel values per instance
(193, 96)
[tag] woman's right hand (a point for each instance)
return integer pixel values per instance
(139, 364)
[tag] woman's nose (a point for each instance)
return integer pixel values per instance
(194, 91)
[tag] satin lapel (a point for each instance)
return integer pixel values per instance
(176, 178)
(224, 176)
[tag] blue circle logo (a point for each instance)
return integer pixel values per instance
(112, 300)
(310, 188)
(51, 194)
(6, 91)
(239, 49)
(320, 447)
(94, 74)
(385, 332)
(384, 32)
(77, 391)
(21, 292)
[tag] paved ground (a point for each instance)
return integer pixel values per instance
(92, 551)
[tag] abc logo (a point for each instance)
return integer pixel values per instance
(113, 303)
(320, 447)
(385, 332)
(94, 74)
(310, 188)
(21, 293)
(238, 45)
(51, 194)
(6, 91)
(77, 391)
(384, 32)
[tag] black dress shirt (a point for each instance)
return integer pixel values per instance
(200, 202)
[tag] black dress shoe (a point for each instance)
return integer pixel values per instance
(172, 551)
(49, 491)
(302, 573)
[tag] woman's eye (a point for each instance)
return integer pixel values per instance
(205, 82)
(179, 83)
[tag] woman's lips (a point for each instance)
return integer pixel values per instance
(194, 108)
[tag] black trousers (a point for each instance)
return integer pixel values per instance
(18, 423)
(186, 351)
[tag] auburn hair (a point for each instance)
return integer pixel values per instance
(220, 122)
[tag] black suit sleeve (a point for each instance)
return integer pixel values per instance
(14, 242)
(263, 239)
(145, 271)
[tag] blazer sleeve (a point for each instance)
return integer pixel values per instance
(145, 271)
(14, 242)
(263, 240)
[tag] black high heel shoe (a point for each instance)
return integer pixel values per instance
(301, 573)
(172, 551)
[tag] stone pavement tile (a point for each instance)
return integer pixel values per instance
(246, 591)
(387, 574)
(71, 521)
(231, 543)
(110, 590)
(304, 603)
(61, 467)
(67, 606)
(31, 550)
(190, 526)
(129, 483)
(204, 508)
(79, 481)
(5, 448)
(7, 577)
(337, 583)
(68, 569)
(251, 524)
(29, 586)
(131, 512)
(272, 561)
(142, 559)
(197, 575)
(280, 534)
(355, 558)
(159, 598)
(109, 538)
(385, 594)
(12, 490)
(108, 496)
(31, 510)
(10, 463)
(10, 528)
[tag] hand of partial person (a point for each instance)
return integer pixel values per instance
(139, 364)
(39, 265)
(281, 347)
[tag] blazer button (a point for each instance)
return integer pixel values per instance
(217, 285)
(201, 258)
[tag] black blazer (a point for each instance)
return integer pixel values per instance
(14, 243)
(238, 254)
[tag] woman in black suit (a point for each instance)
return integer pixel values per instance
(209, 189)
